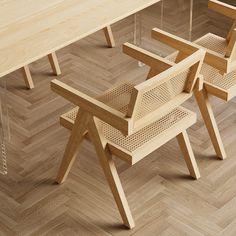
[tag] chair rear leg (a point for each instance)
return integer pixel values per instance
(210, 122)
(27, 77)
(54, 63)
(187, 151)
(72, 146)
(111, 175)
(109, 36)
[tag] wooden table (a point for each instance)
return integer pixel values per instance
(31, 29)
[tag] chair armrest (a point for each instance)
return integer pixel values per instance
(148, 58)
(92, 106)
(223, 8)
(172, 72)
(212, 58)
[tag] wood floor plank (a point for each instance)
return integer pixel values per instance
(162, 198)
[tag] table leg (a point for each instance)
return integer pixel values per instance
(142, 29)
(191, 20)
(4, 126)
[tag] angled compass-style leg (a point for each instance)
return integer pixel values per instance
(72, 146)
(110, 172)
(210, 122)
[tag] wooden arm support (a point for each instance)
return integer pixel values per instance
(92, 106)
(212, 58)
(148, 58)
(223, 8)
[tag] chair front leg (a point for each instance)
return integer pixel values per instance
(111, 174)
(210, 122)
(187, 151)
(109, 36)
(72, 146)
(54, 63)
(27, 77)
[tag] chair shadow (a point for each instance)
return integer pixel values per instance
(112, 227)
(200, 156)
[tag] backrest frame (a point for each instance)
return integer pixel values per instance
(192, 63)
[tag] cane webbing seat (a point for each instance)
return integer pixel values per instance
(222, 86)
(128, 147)
(214, 43)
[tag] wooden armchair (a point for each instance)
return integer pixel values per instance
(212, 61)
(54, 61)
(131, 121)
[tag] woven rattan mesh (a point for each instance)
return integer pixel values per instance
(72, 114)
(212, 76)
(213, 42)
(138, 139)
(161, 94)
(118, 98)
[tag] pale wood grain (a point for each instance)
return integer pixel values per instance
(58, 26)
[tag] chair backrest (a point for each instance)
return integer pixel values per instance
(165, 91)
(229, 11)
(149, 100)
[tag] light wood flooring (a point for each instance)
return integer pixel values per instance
(162, 197)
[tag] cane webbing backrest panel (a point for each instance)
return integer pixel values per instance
(214, 43)
(161, 94)
(118, 97)
(212, 76)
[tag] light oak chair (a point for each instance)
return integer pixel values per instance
(54, 61)
(131, 121)
(217, 70)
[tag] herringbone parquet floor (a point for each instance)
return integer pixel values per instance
(163, 199)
